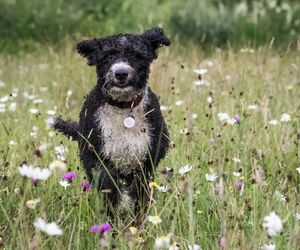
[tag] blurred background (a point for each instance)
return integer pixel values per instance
(205, 23)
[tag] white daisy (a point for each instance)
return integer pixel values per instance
(200, 71)
(33, 110)
(69, 92)
(64, 183)
(154, 219)
(223, 117)
(211, 177)
(183, 131)
(51, 112)
(184, 169)
(37, 101)
(34, 173)
(12, 107)
(285, 117)
(269, 247)
(209, 99)
(273, 122)
(57, 164)
(194, 116)
(179, 102)
(298, 170)
(201, 83)
(297, 216)
(194, 247)
(252, 107)
(48, 228)
(163, 188)
(236, 174)
(4, 98)
(50, 122)
(12, 143)
(162, 242)
(280, 196)
(236, 160)
(272, 223)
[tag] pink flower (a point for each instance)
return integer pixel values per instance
(212, 141)
(237, 119)
(70, 176)
(34, 181)
(239, 185)
(100, 228)
(86, 185)
(222, 241)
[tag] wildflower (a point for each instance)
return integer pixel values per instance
(211, 141)
(163, 188)
(70, 176)
(153, 184)
(174, 246)
(223, 117)
(140, 240)
(60, 150)
(32, 203)
(100, 228)
(57, 164)
(272, 223)
(252, 107)
(236, 160)
(64, 183)
(165, 108)
(194, 247)
(231, 121)
(12, 143)
(236, 174)
(222, 241)
(51, 112)
(200, 71)
(12, 107)
(179, 102)
(297, 216)
(69, 92)
(280, 196)
(201, 83)
(269, 247)
(4, 98)
(285, 117)
(48, 228)
(194, 116)
(50, 122)
(34, 173)
(237, 119)
(298, 170)
(33, 110)
(239, 185)
(273, 122)
(162, 242)
(133, 230)
(86, 185)
(37, 101)
(183, 131)
(199, 212)
(209, 99)
(154, 219)
(211, 177)
(185, 169)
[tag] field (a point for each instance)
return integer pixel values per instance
(252, 157)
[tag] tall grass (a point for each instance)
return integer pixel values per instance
(194, 210)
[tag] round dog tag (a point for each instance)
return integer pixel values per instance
(129, 122)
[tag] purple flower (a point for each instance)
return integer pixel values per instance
(34, 181)
(70, 176)
(222, 241)
(237, 119)
(212, 141)
(86, 185)
(100, 228)
(239, 185)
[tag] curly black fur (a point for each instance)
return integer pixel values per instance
(137, 51)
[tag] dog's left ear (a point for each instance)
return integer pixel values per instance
(156, 37)
(87, 48)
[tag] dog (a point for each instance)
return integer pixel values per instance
(121, 132)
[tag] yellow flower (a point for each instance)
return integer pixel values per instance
(153, 184)
(139, 239)
(32, 203)
(133, 230)
(199, 212)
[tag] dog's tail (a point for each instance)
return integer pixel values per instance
(70, 128)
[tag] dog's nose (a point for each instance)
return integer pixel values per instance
(121, 74)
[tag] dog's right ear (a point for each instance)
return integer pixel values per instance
(88, 48)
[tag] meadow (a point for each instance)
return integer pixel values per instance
(233, 117)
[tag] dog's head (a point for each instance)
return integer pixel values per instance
(123, 61)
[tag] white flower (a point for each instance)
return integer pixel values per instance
(200, 71)
(32, 203)
(2, 84)
(236, 174)
(231, 121)
(273, 122)
(269, 247)
(209, 99)
(195, 247)
(174, 246)
(36, 101)
(211, 177)
(50, 122)
(57, 164)
(201, 83)
(236, 160)
(298, 170)
(154, 219)
(4, 98)
(12, 106)
(162, 242)
(48, 228)
(34, 173)
(64, 183)
(272, 223)
(252, 107)
(297, 216)
(185, 169)
(194, 116)
(12, 143)
(165, 108)
(223, 117)
(69, 92)
(60, 150)
(280, 196)
(51, 112)
(33, 110)
(285, 117)
(183, 131)
(163, 188)
(179, 102)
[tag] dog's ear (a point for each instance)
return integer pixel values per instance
(156, 37)
(88, 48)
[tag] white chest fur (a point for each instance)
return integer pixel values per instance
(126, 147)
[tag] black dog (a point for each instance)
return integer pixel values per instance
(121, 132)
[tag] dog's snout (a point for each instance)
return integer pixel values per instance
(122, 74)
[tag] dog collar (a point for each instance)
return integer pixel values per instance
(124, 105)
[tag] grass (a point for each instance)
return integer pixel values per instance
(194, 210)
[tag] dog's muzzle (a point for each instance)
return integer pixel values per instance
(121, 73)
